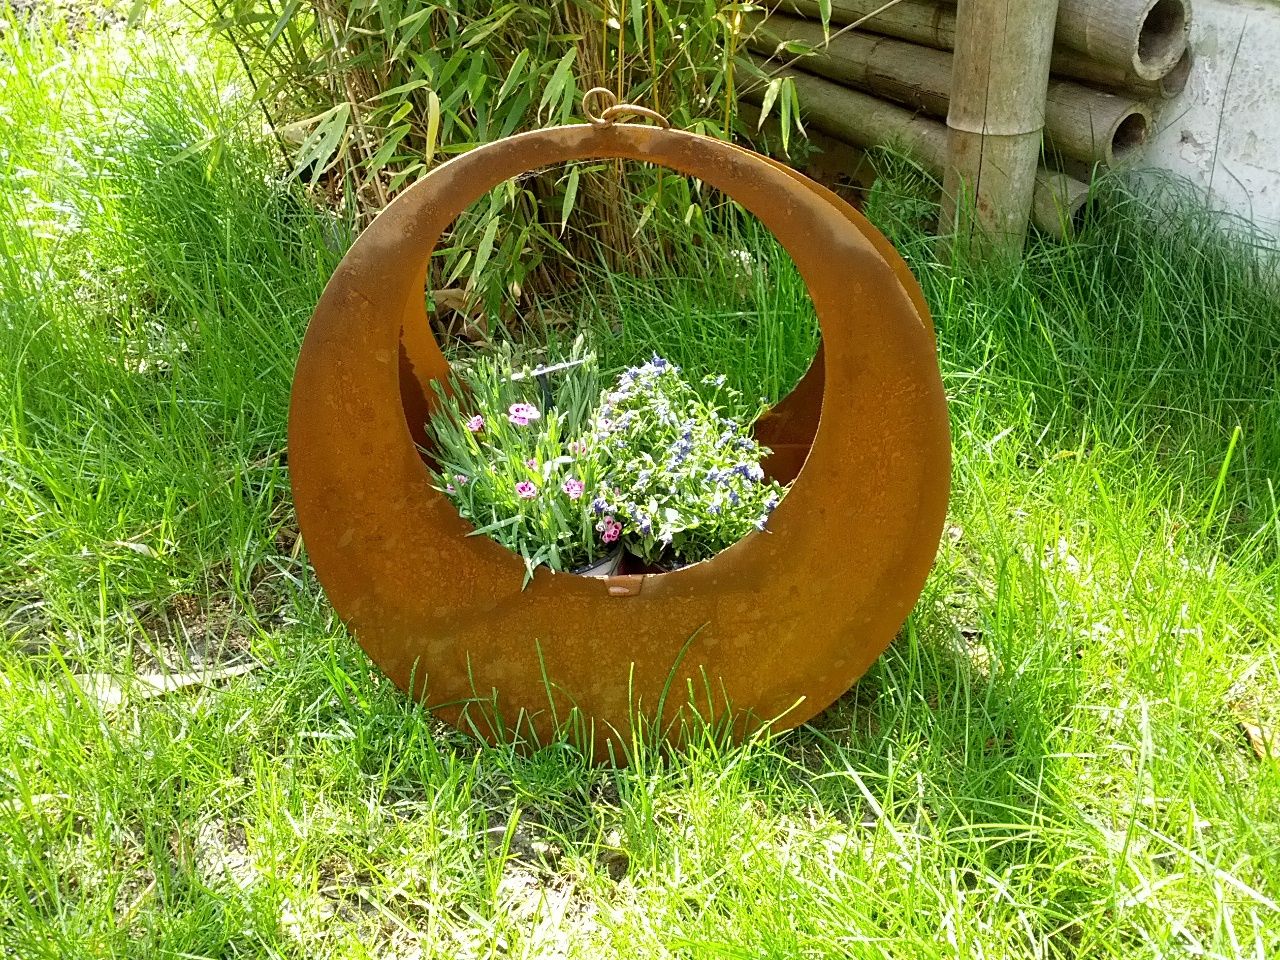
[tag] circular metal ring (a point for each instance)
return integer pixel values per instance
(599, 93)
(772, 629)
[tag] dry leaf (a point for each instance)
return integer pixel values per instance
(461, 314)
(1264, 741)
(111, 693)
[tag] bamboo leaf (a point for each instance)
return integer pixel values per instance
(485, 249)
(404, 175)
(513, 75)
(784, 109)
(414, 22)
(388, 148)
(403, 88)
(319, 149)
(484, 30)
(794, 97)
(570, 194)
(433, 124)
(289, 10)
(137, 11)
(798, 48)
(770, 95)
(400, 113)
(558, 82)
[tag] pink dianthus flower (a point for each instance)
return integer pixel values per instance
(522, 414)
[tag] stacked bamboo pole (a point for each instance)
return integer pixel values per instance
(1085, 124)
(882, 81)
(1144, 38)
(865, 121)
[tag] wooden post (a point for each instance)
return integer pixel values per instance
(999, 81)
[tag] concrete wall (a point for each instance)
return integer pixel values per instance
(1223, 131)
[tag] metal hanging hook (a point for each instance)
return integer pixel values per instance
(613, 110)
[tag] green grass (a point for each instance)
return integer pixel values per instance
(1046, 763)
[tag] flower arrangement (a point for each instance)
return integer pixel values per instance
(566, 476)
(514, 464)
(681, 477)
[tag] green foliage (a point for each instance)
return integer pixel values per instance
(372, 94)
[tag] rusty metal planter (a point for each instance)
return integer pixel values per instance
(772, 629)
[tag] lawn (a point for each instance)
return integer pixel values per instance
(1065, 753)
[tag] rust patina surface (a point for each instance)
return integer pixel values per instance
(771, 630)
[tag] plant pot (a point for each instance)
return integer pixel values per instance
(605, 566)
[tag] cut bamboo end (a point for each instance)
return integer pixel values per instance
(1162, 38)
(1145, 36)
(1122, 79)
(1060, 204)
(1175, 81)
(1079, 122)
(1128, 136)
(1095, 127)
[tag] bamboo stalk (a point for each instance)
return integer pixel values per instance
(863, 120)
(1082, 123)
(1120, 80)
(1142, 38)
(915, 75)
(1147, 36)
(1059, 203)
(920, 21)
(1000, 75)
(1092, 126)
(867, 121)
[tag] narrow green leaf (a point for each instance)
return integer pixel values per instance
(485, 249)
(408, 87)
(770, 95)
(559, 80)
(290, 9)
(388, 148)
(570, 194)
(137, 11)
(320, 148)
(433, 124)
(784, 110)
(513, 75)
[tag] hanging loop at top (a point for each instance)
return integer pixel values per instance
(613, 109)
